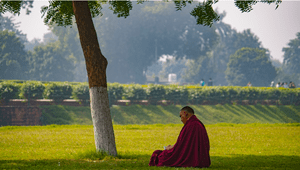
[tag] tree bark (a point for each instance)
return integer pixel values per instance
(96, 65)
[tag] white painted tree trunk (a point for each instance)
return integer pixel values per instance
(103, 128)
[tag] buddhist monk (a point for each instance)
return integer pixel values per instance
(192, 146)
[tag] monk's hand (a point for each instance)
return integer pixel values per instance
(169, 147)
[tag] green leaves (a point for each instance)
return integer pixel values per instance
(15, 6)
(9, 90)
(121, 8)
(32, 90)
(81, 92)
(250, 65)
(57, 91)
(205, 14)
(153, 93)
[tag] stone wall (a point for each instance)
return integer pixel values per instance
(20, 116)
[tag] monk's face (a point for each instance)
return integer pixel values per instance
(184, 116)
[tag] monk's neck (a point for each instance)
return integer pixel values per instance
(188, 118)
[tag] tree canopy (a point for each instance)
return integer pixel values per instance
(250, 65)
(13, 63)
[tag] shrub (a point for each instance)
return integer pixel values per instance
(184, 95)
(32, 90)
(172, 93)
(196, 95)
(115, 92)
(230, 94)
(9, 90)
(54, 91)
(135, 92)
(155, 93)
(67, 90)
(81, 93)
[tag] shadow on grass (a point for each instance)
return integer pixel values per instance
(141, 162)
(291, 112)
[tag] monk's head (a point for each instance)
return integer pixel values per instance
(185, 113)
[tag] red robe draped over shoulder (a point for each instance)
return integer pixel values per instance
(191, 149)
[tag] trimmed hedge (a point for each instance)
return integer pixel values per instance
(58, 91)
(32, 90)
(81, 93)
(153, 93)
(9, 90)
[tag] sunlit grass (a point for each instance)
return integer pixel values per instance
(233, 146)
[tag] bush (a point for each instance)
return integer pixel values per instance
(172, 93)
(230, 94)
(115, 92)
(54, 91)
(81, 93)
(155, 93)
(134, 93)
(196, 95)
(32, 90)
(9, 90)
(67, 90)
(184, 95)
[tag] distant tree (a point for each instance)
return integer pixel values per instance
(291, 61)
(13, 63)
(290, 69)
(250, 64)
(201, 68)
(230, 42)
(7, 23)
(50, 63)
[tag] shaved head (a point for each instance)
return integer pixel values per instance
(188, 109)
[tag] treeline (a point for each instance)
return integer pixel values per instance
(133, 47)
(58, 91)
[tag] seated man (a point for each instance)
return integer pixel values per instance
(192, 146)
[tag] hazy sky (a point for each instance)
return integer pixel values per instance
(275, 28)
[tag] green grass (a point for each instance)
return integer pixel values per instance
(233, 146)
(208, 114)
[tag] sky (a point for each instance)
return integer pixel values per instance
(274, 28)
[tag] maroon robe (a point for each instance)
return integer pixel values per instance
(190, 150)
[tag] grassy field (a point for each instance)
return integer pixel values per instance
(233, 146)
(208, 114)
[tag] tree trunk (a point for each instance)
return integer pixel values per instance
(96, 65)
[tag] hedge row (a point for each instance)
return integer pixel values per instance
(59, 91)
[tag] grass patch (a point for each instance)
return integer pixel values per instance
(143, 115)
(233, 146)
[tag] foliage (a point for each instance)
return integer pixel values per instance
(291, 62)
(13, 62)
(173, 93)
(81, 92)
(50, 63)
(9, 90)
(6, 23)
(57, 92)
(155, 93)
(135, 92)
(250, 65)
(213, 63)
(115, 92)
(32, 90)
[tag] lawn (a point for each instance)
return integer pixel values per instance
(233, 146)
(208, 114)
